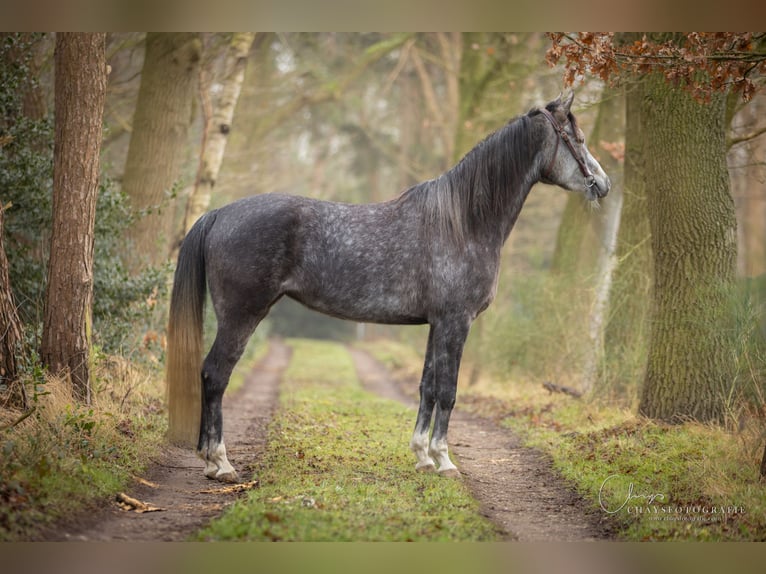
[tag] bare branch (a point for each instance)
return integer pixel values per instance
(747, 137)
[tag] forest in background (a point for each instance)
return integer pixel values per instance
(654, 301)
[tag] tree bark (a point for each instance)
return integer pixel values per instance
(217, 127)
(158, 144)
(80, 91)
(10, 324)
(690, 366)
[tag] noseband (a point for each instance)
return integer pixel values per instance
(590, 180)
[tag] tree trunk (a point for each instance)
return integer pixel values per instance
(571, 234)
(748, 173)
(80, 91)
(10, 324)
(693, 228)
(217, 127)
(158, 143)
(627, 331)
(608, 130)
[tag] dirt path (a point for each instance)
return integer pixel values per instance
(175, 482)
(515, 485)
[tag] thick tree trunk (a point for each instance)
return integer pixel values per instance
(693, 227)
(159, 140)
(218, 125)
(80, 91)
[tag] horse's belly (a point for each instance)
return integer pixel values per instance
(368, 304)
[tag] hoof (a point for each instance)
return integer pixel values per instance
(426, 468)
(230, 477)
(450, 473)
(211, 473)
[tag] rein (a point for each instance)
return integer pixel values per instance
(563, 135)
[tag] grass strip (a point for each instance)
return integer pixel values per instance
(338, 468)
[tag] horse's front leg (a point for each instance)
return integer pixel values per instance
(419, 442)
(448, 350)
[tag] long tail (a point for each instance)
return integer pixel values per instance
(184, 351)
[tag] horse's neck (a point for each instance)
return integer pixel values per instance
(496, 208)
(508, 219)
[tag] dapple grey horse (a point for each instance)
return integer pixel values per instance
(431, 255)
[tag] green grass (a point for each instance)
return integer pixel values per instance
(338, 468)
(660, 482)
(692, 471)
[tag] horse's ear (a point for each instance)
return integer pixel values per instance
(568, 101)
(554, 104)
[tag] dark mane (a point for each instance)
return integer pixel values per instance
(490, 180)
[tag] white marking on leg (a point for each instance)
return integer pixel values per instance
(211, 469)
(217, 466)
(419, 445)
(439, 451)
(226, 472)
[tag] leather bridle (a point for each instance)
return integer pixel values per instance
(590, 180)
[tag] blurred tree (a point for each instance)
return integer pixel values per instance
(626, 333)
(585, 257)
(11, 335)
(158, 143)
(80, 89)
(26, 166)
(607, 140)
(218, 112)
(747, 150)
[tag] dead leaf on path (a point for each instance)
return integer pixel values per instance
(145, 482)
(131, 504)
(235, 488)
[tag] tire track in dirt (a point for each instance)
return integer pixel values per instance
(175, 481)
(516, 486)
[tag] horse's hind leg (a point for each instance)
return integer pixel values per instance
(230, 342)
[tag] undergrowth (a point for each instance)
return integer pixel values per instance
(64, 457)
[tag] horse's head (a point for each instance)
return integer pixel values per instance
(567, 162)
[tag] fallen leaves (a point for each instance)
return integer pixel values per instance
(129, 503)
(233, 489)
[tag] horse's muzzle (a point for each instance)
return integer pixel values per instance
(599, 189)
